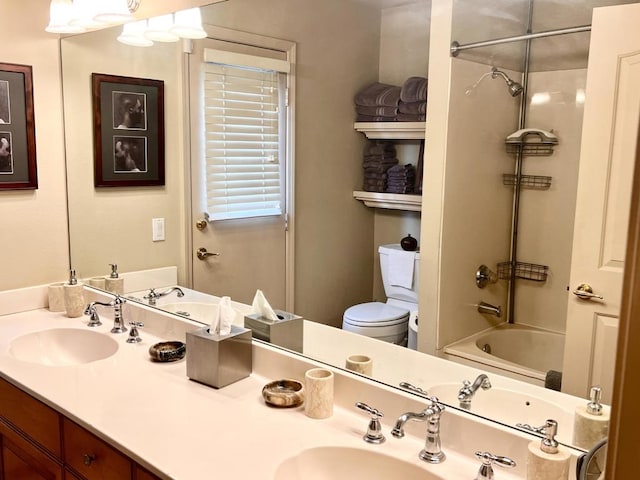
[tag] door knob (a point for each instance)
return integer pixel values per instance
(202, 254)
(202, 223)
(585, 292)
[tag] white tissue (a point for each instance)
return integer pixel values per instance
(223, 318)
(227, 314)
(262, 307)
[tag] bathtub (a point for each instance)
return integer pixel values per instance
(517, 351)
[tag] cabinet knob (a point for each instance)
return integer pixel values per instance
(88, 459)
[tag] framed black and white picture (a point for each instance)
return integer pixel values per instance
(17, 128)
(128, 129)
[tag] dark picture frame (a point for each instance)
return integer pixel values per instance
(128, 131)
(18, 169)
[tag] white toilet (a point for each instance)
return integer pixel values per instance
(389, 321)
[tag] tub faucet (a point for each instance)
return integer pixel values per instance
(432, 451)
(153, 296)
(484, 307)
(468, 390)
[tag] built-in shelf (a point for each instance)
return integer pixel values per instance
(394, 201)
(392, 130)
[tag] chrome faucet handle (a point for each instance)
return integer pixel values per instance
(488, 459)
(134, 336)
(94, 318)
(152, 296)
(374, 430)
(414, 389)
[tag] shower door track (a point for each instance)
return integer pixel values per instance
(456, 48)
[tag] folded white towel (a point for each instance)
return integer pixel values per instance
(401, 268)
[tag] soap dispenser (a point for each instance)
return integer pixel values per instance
(590, 422)
(546, 460)
(74, 302)
(114, 283)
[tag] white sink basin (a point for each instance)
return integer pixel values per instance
(342, 463)
(199, 311)
(63, 346)
(509, 407)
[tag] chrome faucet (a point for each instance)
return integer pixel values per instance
(468, 390)
(432, 451)
(118, 321)
(153, 296)
(484, 307)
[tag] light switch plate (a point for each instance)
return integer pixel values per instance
(157, 227)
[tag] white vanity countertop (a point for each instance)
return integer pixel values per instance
(184, 430)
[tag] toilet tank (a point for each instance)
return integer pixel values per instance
(393, 291)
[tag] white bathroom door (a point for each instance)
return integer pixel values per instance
(246, 253)
(609, 139)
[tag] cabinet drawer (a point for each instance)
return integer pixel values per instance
(20, 459)
(33, 417)
(142, 474)
(91, 457)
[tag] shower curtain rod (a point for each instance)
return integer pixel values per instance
(457, 48)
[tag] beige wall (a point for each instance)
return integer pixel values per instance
(337, 54)
(113, 224)
(34, 222)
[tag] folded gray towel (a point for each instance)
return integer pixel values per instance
(413, 108)
(370, 118)
(414, 89)
(367, 188)
(380, 148)
(410, 117)
(378, 95)
(378, 111)
(553, 380)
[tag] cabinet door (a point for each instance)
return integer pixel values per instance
(91, 457)
(22, 461)
(142, 474)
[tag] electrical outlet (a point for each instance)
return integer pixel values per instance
(157, 227)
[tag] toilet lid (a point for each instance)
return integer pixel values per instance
(375, 314)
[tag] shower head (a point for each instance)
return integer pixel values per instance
(515, 88)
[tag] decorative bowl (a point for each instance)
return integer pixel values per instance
(167, 351)
(283, 393)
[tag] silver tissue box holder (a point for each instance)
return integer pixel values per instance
(218, 360)
(285, 332)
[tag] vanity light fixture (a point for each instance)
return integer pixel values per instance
(77, 16)
(164, 28)
(133, 34)
(159, 29)
(61, 15)
(188, 24)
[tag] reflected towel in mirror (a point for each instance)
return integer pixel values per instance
(401, 268)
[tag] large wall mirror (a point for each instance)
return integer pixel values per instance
(341, 46)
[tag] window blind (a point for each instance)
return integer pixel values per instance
(242, 115)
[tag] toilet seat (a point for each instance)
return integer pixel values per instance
(375, 314)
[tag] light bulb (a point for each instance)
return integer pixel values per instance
(113, 11)
(188, 24)
(159, 28)
(60, 18)
(133, 34)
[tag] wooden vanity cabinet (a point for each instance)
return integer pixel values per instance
(38, 443)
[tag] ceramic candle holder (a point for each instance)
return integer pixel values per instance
(74, 302)
(98, 282)
(56, 297)
(360, 364)
(319, 393)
